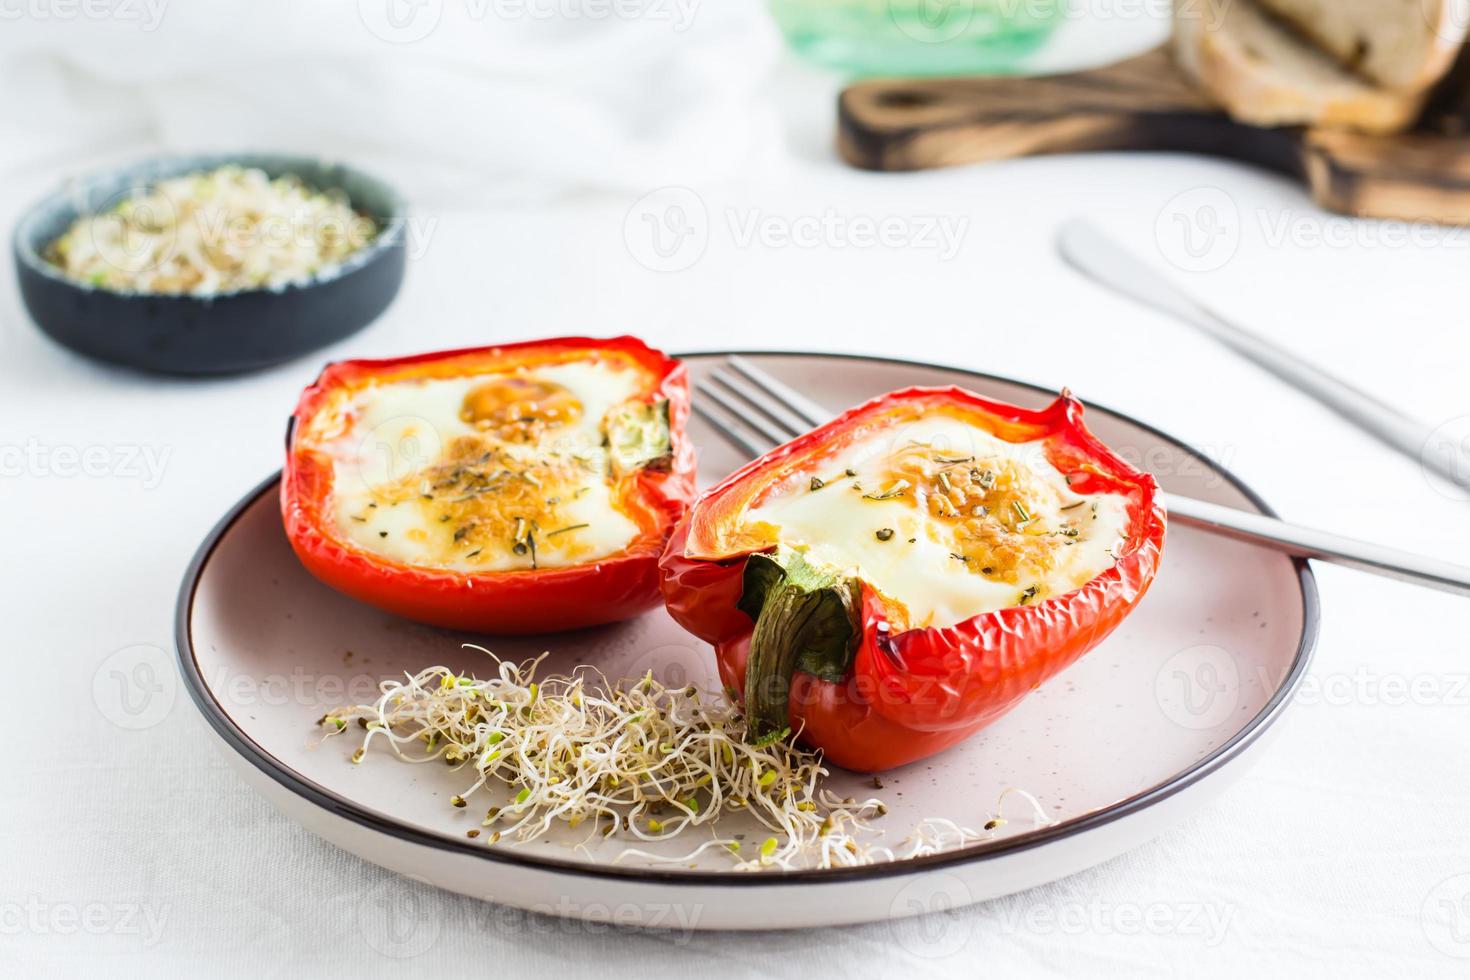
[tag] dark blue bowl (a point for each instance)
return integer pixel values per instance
(223, 334)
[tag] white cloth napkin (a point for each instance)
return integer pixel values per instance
(459, 102)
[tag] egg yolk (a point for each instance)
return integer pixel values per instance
(991, 507)
(519, 409)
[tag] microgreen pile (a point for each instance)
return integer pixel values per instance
(638, 759)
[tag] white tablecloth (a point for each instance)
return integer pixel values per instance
(1343, 853)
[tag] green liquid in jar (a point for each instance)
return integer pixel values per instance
(918, 37)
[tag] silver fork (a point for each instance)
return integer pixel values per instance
(755, 412)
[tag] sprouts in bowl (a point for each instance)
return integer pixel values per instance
(213, 232)
(211, 264)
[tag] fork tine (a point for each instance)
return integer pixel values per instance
(760, 401)
(809, 411)
(729, 431)
(749, 420)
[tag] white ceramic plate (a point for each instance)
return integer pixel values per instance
(1146, 727)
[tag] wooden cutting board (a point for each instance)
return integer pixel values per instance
(1146, 103)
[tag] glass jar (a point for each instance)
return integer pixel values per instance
(917, 37)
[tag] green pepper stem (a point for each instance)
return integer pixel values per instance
(804, 620)
(774, 648)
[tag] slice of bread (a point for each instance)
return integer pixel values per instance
(1405, 45)
(1263, 74)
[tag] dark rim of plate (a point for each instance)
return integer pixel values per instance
(299, 784)
(391, 232)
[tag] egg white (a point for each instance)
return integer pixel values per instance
(835, 527)
(402, 427)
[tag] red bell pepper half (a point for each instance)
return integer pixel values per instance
(822, 654)
(649, 475)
